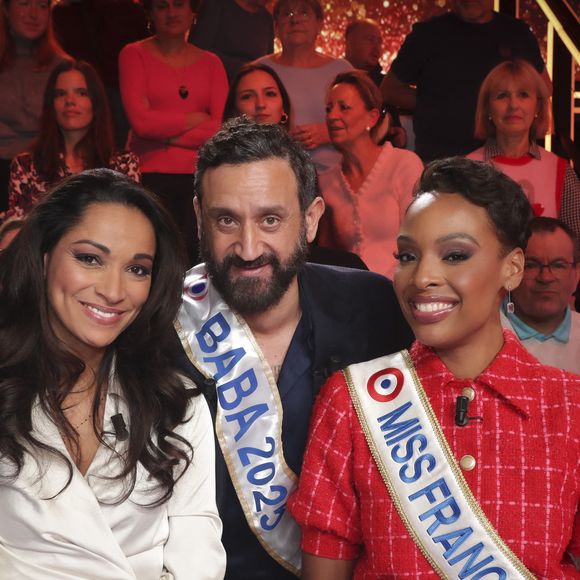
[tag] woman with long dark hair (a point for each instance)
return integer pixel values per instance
(258, 93)
(106, 451)
(76, 133)
(28, 53)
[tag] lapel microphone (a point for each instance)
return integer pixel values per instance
(461, 407)
(120, 428)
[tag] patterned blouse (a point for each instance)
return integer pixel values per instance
(27, 186)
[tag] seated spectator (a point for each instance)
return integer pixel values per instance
(75, 134)
(106, 450)
(28, 53)
(367, 195)
(543, 319)
(174, 95)
(80, 27)
(306, 74)
(513, 110)
(238, 31)
(8, 231)
(363, 49)
(258, 93)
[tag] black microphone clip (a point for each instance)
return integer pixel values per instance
(461, 406)
(120, 428)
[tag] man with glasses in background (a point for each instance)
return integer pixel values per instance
(542, 317)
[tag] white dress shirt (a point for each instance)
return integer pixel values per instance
(81, 533)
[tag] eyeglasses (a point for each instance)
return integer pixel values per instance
(288, 13)
(557, 267)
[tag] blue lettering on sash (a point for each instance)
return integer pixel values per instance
(231, 395)
(225, 363)
(395, 432)
(460, 536)
(402, 435)
(244, 424)
(212, 332)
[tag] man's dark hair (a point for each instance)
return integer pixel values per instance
(543, 224)
(242, 140)
(506, 204)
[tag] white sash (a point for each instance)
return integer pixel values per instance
(423, 478)
(249, 415)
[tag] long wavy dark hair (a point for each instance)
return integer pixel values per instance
(46, 47)
(37, 368)
(95, 148)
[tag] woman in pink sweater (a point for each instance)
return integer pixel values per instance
(174, 94)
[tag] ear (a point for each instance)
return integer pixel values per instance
(373, 115)
(513, 269)
(197, 209)
(312, 217)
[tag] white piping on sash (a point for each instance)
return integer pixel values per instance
(422, 476)
(249, 417)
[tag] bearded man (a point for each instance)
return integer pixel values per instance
(266, 329)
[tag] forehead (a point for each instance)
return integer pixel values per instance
(107, 218)
(437, 215)
(257, 78)
(344, 91)
(70, 77)
(251, 187)
(550, 245)
(365, 30)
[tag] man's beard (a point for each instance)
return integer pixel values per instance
(254, 294)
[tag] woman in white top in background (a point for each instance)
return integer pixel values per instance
(106, 453)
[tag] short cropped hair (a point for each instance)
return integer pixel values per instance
(242, 140)
(504, 201)
(519, 71)
(315, 5)
(542, 224)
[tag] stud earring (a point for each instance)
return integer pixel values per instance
(510, 308)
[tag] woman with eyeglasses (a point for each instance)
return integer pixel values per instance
(306, 74)
(174, 95)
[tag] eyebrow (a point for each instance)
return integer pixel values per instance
(106, 250)
(443, 239)
(219, 210)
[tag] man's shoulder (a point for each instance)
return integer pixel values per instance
(341, 275)
(435, 24)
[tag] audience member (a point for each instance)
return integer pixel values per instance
(446, 59)
(306, 74)
(258, 93)
(238, 31)
(106, 452)
(363, 49)
(28, 53)
(8, 231)
(542, 318)
(75, 134)
(392, 486)
(367, 195)
(513, 110)
(268, 329)
(174, 95)
(95, 31)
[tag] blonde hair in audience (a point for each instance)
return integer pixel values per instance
(524, 73)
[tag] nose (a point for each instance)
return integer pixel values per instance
(427, 273)
(260, 102)
(330, 111)
(33, 10)
(111, 286)
(248, 246)
(545, 275)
